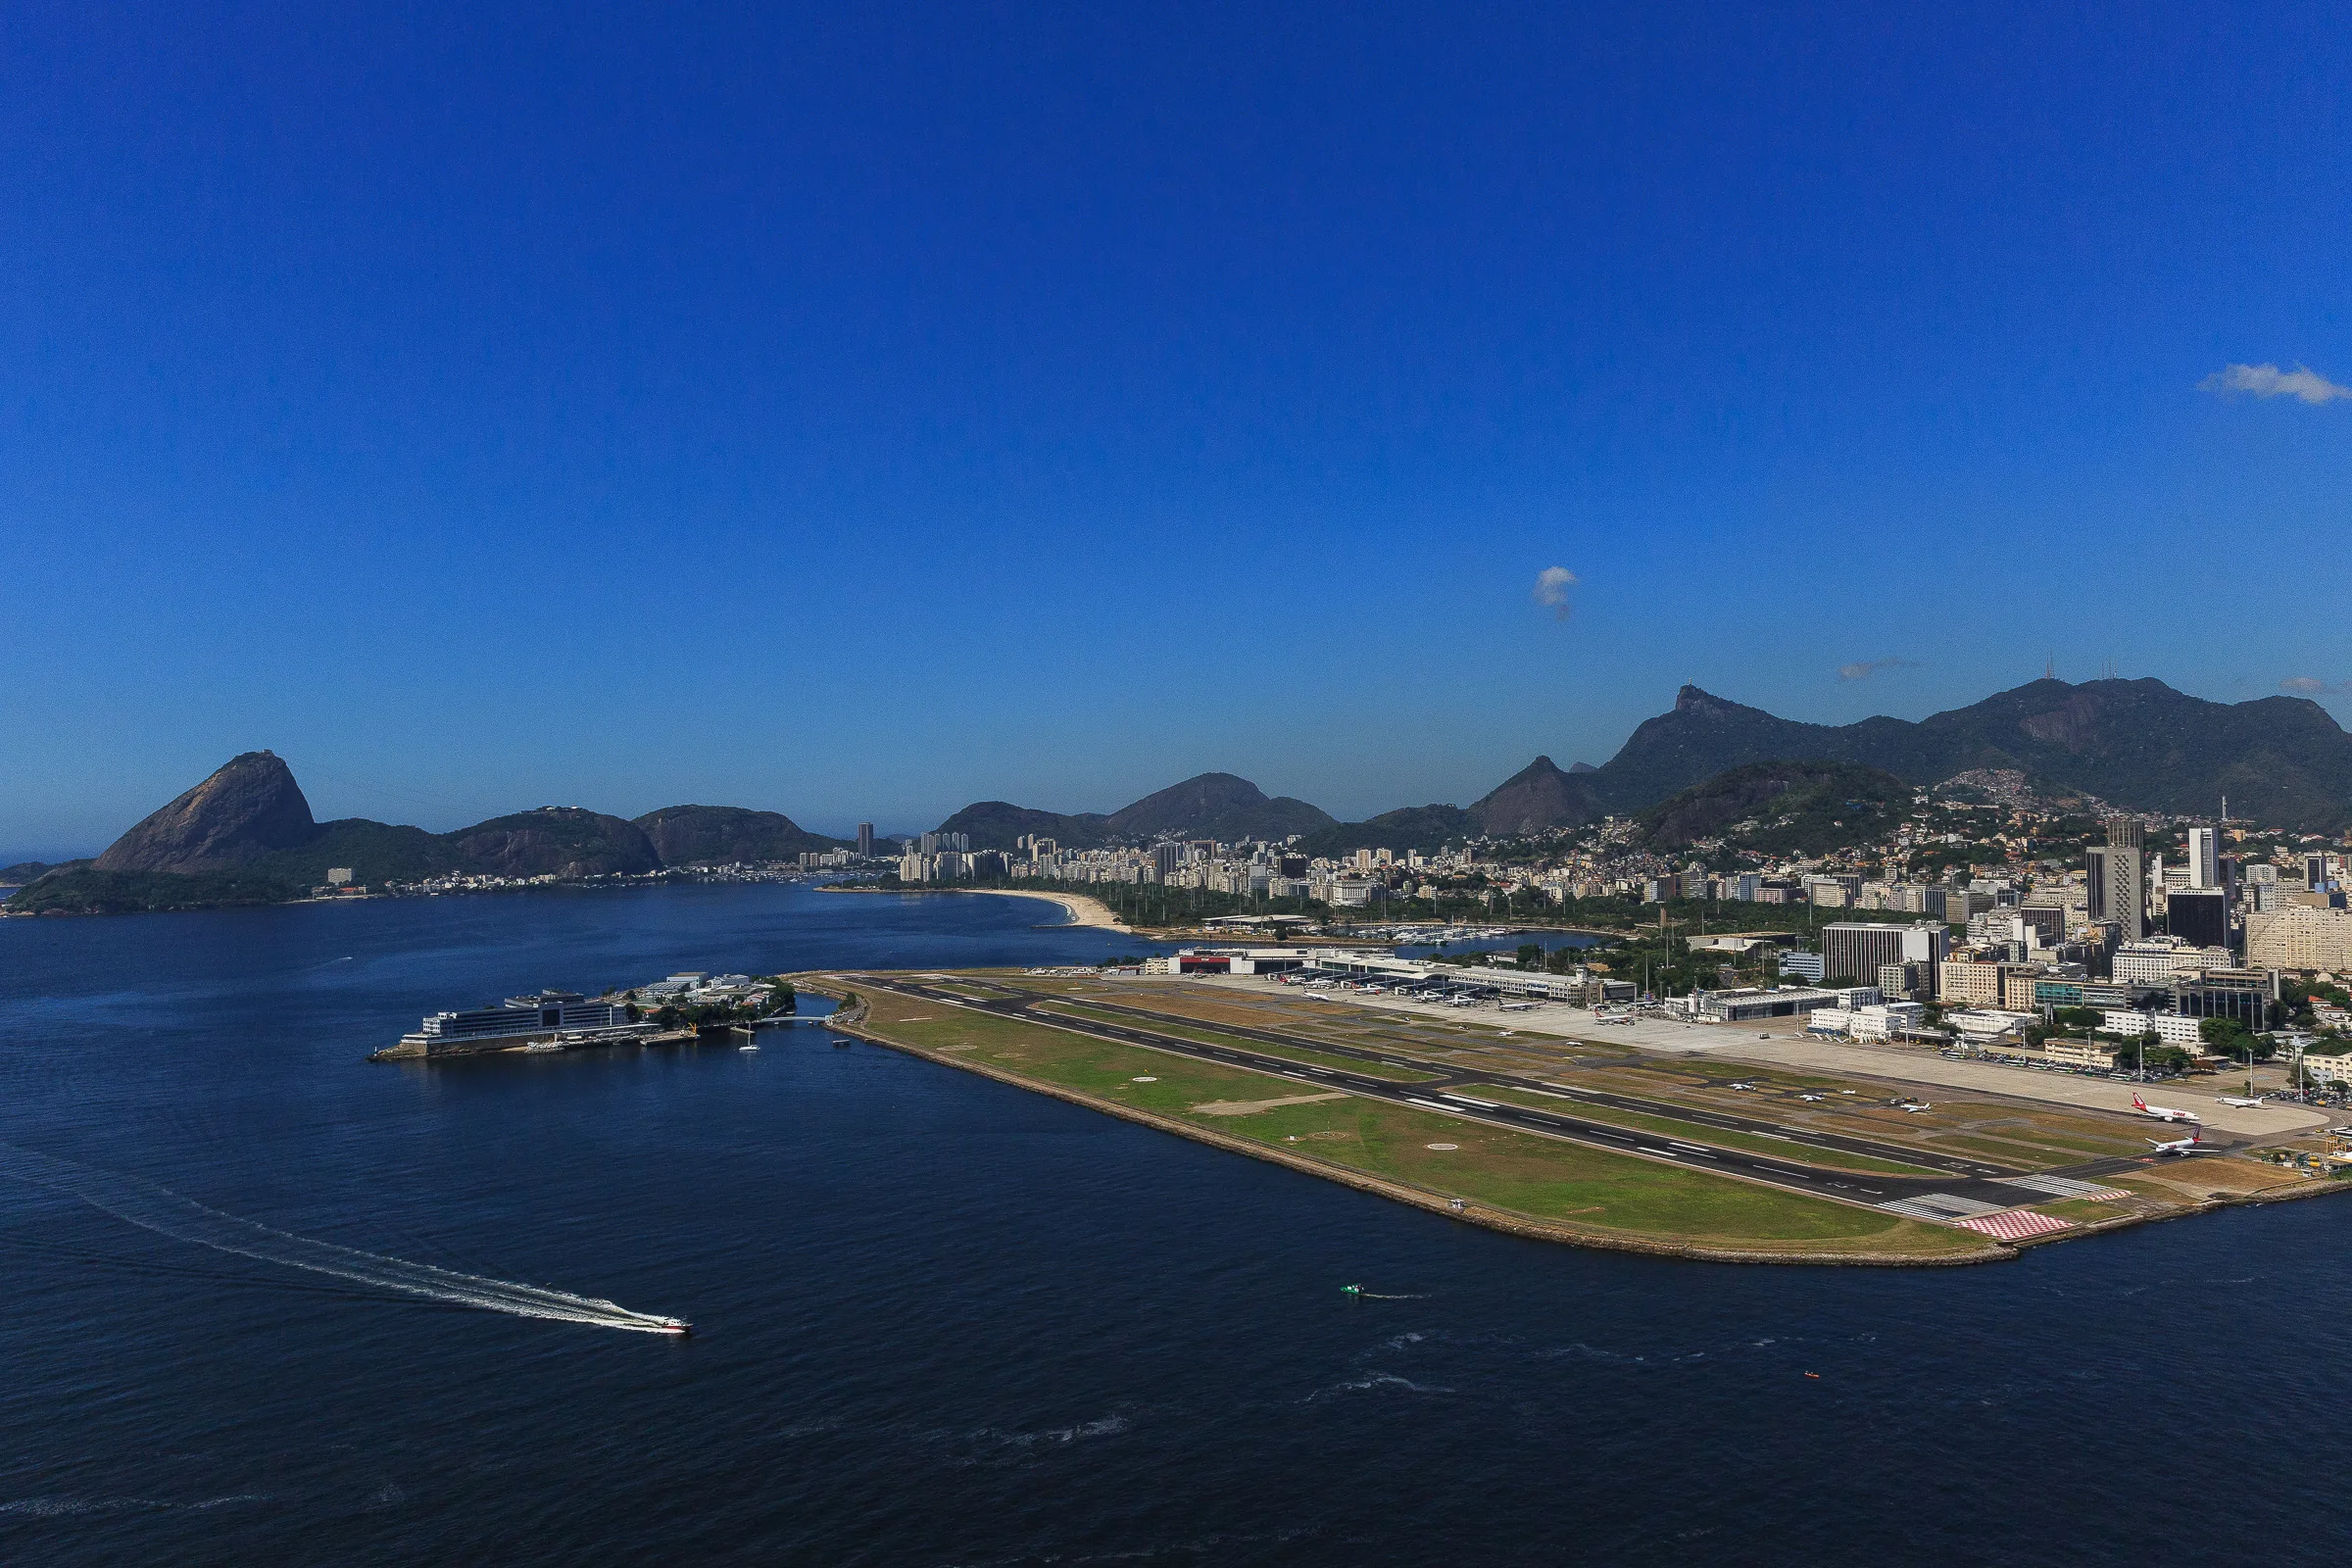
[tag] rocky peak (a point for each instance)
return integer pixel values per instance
(1707, 705)
(249, 808)
(1538, 796)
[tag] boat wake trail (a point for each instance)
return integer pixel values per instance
(160, 1209)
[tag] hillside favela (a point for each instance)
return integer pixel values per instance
(1025, 786)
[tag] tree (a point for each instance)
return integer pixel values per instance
(2226, 1036)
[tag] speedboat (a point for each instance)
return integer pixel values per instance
(675, 1325)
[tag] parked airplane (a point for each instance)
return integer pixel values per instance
(2161, 1112)
(2239, 1101)
(2194, 1144)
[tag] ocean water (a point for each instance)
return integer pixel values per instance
(943, 1321)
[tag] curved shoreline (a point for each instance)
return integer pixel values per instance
(1083, 910)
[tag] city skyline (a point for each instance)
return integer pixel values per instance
(1048, 409)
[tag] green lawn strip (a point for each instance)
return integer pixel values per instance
(1100, 1067)
(1211, 1037)
(2012, 1151)
(1700, 1133)
(1548, 1178)
(1540, 1177)
(2077, 1143)
(1331, 1031)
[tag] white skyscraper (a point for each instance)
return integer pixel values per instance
(2204, 857)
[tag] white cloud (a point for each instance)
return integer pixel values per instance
(2306, 685)
(1551, 590)
(2269, 381)
(1870, 667)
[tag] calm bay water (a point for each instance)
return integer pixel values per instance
(942, 1321)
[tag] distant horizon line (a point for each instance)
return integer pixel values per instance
(2106, 677)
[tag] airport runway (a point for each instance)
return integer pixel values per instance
(1445, 1076)
(1974, 1182)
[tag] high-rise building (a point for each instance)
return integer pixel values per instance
(2048, 922)
(865, 838)
(1900, 981)
(2126, 877)
(1855, 952)
(2299, 937)
(2201, 916)
(2204, 857)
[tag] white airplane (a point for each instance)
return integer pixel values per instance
(2194, 1144)
(2239, 1101)
(2161, 1112)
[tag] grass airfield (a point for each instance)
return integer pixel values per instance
(1327, 1081)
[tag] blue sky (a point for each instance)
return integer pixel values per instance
(857, 414)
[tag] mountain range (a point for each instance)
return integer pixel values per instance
(1209, 806)
(1780, 809)
(2136, 744)
(250, 819)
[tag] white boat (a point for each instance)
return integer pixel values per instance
(746, 1048)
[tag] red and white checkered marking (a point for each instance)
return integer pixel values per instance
(2013, 1224)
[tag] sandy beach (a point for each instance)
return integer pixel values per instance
(1083, 910)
